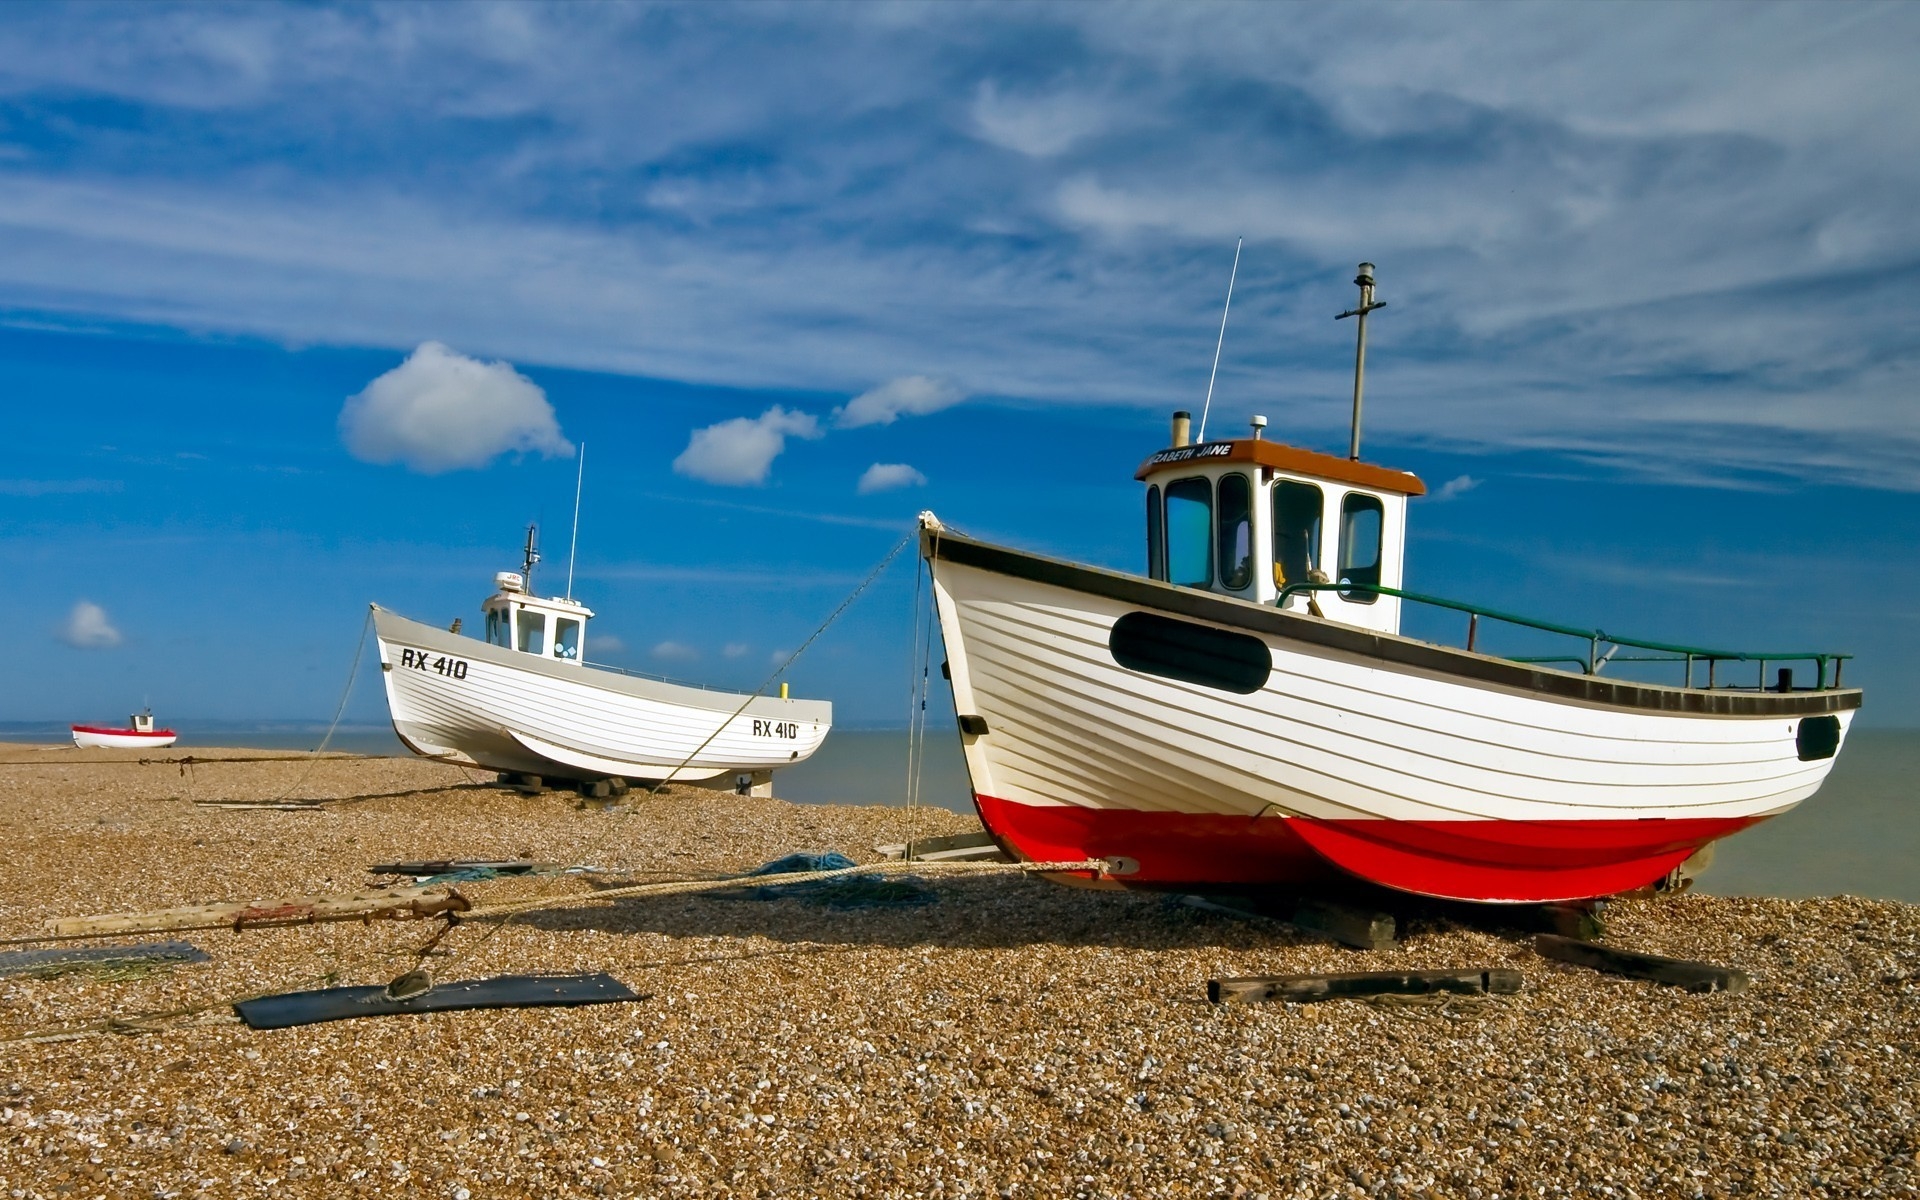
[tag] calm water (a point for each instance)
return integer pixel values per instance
(1860, 835)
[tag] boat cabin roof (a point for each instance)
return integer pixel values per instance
(1282, 457)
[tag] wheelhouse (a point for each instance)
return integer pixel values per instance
(1248, 517)
(549, 627)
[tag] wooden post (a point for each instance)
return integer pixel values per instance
(1684, 973)
(1307, 989)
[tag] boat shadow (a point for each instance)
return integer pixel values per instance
(985, 913)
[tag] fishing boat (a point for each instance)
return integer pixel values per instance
(1248, 713)
(526, 702)
(139, 734)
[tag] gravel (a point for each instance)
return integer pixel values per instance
(1014, 1038)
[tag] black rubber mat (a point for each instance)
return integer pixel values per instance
(505, 991)
(49, 963)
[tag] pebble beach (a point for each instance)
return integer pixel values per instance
(960, 1036)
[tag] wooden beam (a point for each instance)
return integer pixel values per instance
(1692, 975)
(1306, 989)
(396, 904)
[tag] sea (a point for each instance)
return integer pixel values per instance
(1859, 835)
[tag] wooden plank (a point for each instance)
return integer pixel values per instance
(1690, 974)
(384, 904)
(1307, 989)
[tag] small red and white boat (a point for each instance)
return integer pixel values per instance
(1248, 713)
(140, 735)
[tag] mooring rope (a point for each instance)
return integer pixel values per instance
(687, 887)
(615, 827)
(507, 910)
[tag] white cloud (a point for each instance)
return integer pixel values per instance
(740, 452)
(1037, 126)
(735, 650)
(87, 628)
(778, 657)
(884, 477)
(608, 643)
(675, 652)
(1459, 485)
(907, 396)
(442, 411)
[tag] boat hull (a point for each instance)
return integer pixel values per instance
(1345, 754)
(463, 700)
(94, 737)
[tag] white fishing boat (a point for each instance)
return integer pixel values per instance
(525, 701)
(1248, 713)
(139, 734)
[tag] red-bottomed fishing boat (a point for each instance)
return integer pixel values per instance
(1248, 713)
(139, 734)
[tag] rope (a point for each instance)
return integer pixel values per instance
(145, 1022)
(190, 760)
(339, 710)
(511, 908)
(613, 828)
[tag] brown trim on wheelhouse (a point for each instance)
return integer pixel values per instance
(945, 546)
(1283, 457)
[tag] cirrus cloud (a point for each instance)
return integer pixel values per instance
(1459, 485)
(441, 411)
(885, 477)
(740, 452)
(87, 627)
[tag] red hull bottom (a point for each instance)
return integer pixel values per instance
(1493, 861)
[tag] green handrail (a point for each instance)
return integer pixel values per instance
(1593, 637)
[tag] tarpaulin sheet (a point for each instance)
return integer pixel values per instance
(505, 991)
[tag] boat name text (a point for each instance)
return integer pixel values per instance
(420, 660)
(778, 729)
(1185, 453)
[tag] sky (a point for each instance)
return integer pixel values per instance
(305, 307)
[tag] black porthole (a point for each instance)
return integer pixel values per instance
(1817, 737)
(1216, 658)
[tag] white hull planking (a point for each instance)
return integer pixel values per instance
(1330, 736)
(514, 712)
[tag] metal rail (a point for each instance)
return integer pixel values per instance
(1595, 638)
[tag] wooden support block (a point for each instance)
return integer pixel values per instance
(1675, 972)
(1573, 921)
(1306, 989)
(1354, 927)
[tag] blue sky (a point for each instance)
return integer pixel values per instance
(1651, 274)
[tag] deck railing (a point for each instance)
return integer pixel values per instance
(1594, 660)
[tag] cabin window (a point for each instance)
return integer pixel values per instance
(1361, 520)
(1297, 508)
(1215, 658)
(1190, 532)
(566, 638)
(533, 632)
(1236, 531)
(496, 627)
(1156, 535)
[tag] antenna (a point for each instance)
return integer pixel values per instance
(1222, 341)
(574, 547)
(1367, 305)
(532, 556)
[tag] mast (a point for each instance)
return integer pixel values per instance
(1225, 309)
(573, 547)
(532, 556)
(1367, 305)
